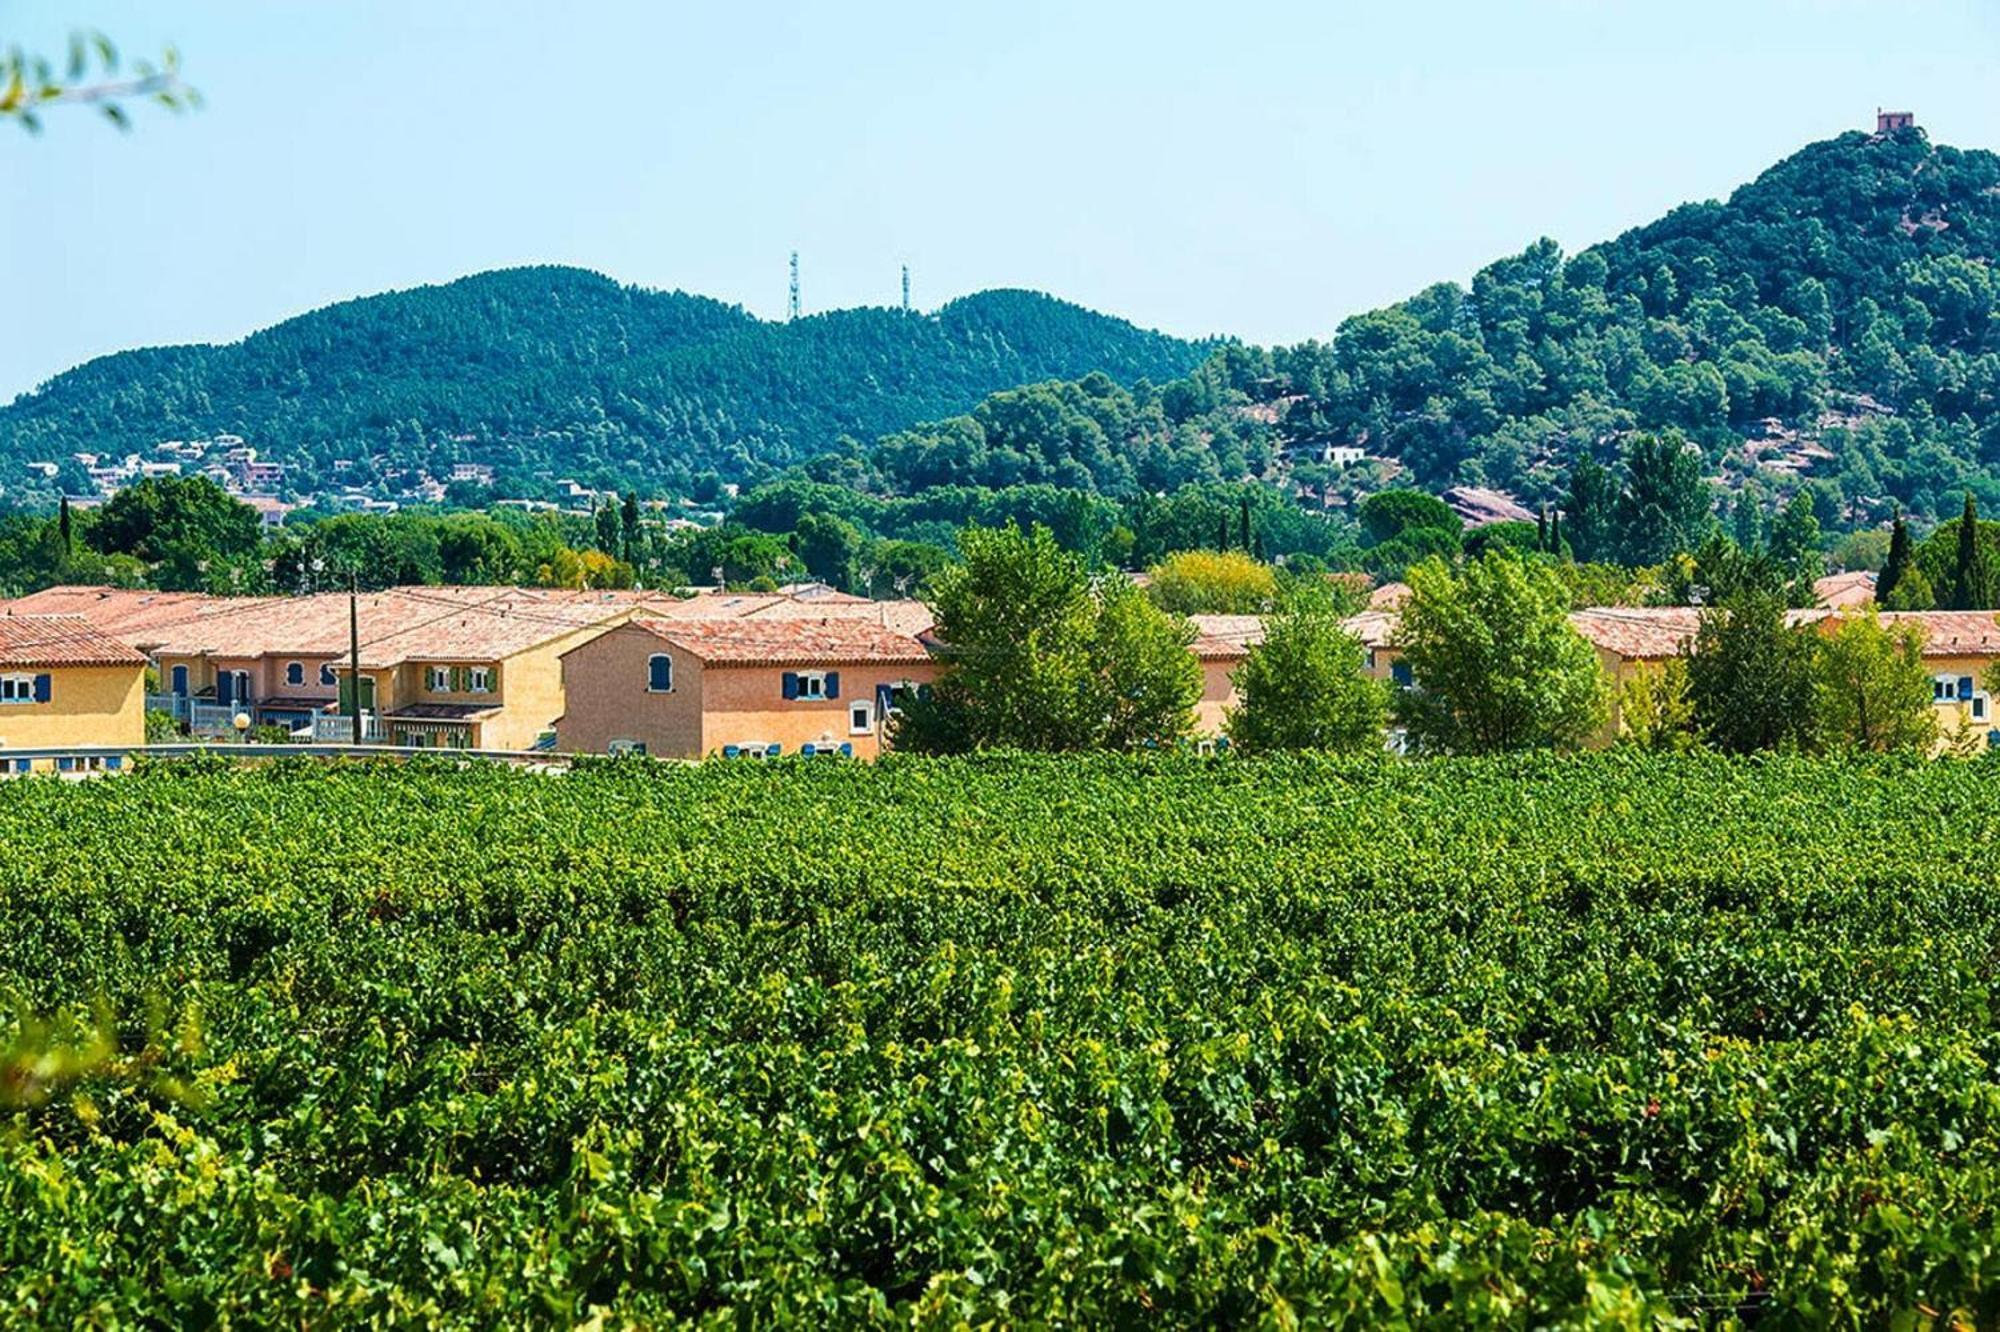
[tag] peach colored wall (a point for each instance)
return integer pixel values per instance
(747, 704)
(1218, 695)
(604, 685)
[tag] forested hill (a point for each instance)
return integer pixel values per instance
(1843, 300)
(1830, 326)
(548, 367)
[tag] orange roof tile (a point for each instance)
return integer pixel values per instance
(61, 640)
(1639, 633)
(829, 640)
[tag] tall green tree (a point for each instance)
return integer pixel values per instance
(1752, 677)
(1873, 689)
(1589, 516)
(1901, 560)
(1971, 581)
(1664, 507)
(1038, 657)
(1794, 546)
(1496, 663)
(180, 526)
(1304, 686)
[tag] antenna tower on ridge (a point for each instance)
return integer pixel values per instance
(906, 287)
(795, 285)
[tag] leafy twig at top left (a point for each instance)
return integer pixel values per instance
(92, 76)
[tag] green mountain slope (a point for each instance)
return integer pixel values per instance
(1831, 325)
(558, 368)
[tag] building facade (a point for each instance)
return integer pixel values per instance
(740, 688)
(65, 683)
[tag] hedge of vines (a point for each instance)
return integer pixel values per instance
(1543, 1042)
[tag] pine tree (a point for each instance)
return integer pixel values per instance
(1897, 567)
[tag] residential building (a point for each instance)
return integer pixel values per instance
(441, 667)
(64, 682)
(1222, 643)
(696, 685)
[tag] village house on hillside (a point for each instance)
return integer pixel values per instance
(696, 685)
(63, 683)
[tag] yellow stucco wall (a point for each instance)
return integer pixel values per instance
(88, 705)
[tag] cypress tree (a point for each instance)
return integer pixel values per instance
(1542, 529)
(1897, 567)
(1246, 523)
(63, 527)
(1970, 588)
(1556, 533)
(1222, 540)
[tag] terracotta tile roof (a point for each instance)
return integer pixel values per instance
(1639, 633)
(1841, 590)
(137, 615)
(1388, 596)
(1375, 628)
(61, 640)
(829, 640)
(1953, 633)
(398, 625)
(1226, 637)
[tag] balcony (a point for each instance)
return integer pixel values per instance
(332, 730)
(174, 705)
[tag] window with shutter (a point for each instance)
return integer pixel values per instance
(295, 673)
(791, 684)
(327, 675)
(1965, 688)
(660, 673)
(42, 688)
(833, 684)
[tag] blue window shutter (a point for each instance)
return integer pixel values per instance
(884, 697)
(225, 688)
(180, 680)
(833, 684)
(1965, 687)
(113, 763)
(660, 673)
(24, 765)
(791, 684)
(41, 689)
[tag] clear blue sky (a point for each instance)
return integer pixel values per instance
(1259, 169)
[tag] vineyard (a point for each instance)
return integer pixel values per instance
(1543, 1042)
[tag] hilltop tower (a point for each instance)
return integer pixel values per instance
(794, 306)
(906, 288)
(1888, 122)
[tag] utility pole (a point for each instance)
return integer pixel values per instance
(354, 652)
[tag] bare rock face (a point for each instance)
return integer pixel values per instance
(1479, 506)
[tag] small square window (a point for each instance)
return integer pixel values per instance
(861, 718)
(437, 679)
(479, 680)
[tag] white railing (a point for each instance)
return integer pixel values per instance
(214, 718)
(340, 730)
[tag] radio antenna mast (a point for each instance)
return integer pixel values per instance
(795, 285)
